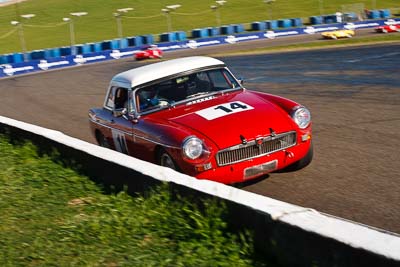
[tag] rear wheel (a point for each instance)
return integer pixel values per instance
(102, 140)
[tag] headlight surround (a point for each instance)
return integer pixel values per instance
(302, 117)
(192, 147)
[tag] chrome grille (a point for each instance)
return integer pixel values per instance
(256, 148)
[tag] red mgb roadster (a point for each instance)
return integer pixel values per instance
(192, 115)
(388, 28)
(149, 52)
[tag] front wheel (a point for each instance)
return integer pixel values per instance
(164, 159)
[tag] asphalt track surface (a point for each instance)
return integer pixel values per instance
(353, 94)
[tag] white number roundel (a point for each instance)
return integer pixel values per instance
(222, 110)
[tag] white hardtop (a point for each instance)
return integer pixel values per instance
(159, 70)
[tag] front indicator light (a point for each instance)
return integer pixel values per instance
(305, 137)
(203, 167)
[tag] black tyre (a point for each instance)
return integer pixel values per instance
(102, 140)
(164, 159)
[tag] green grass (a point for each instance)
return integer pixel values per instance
(47, 29)
(53, 216)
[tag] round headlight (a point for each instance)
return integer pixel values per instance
(302, 117)
(192, 147)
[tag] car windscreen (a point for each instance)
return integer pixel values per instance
(184, 88)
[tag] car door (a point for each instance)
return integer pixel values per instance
(118, 121)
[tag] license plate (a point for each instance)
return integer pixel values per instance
(260, 169)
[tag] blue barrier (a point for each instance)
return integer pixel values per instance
(37, 54)
(3, 59)
(212, 31)
(123, 43)
(10, 58)
(79, 49)
(329, 19)
(56, 52)
(148, 39)
(227, 30)
(8, 67)
(135, 41)
(258, 26)
(87, 48)
(167, 37)
(271, 24)
(238, 28)
(284, 23)
(52, 52)
(384, 13)
(18, 57)
(315, 20)
(296, 22)
(199, 33)
(373, 14)
(65, 51)
(180, 36)
(115, 44)
(48, 53)
(106, 45)
(96, 47)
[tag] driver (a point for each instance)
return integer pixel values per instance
(147, 98)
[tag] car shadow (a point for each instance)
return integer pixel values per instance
(250, 182)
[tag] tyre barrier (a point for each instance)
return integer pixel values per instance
(172, 36)
(258, 26)
(315, 20)
(227, 30)
(272, 24)
(148, 39)
(199, 33)
(13, 64)
(296, 22)
(238, 28)
(287, 234)
(213, 31)
(384, 13)
(135, 41)
(284, 23)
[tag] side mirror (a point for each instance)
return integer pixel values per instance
(241, 80)
(120, 112)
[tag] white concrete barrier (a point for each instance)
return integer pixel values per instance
(289, 234)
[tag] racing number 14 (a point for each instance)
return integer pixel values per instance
(233, 106)
(222, 110)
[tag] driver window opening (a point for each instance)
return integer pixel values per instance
(121, 99)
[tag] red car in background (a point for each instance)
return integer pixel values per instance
(149, 52)
(388, 28)
(192, 115)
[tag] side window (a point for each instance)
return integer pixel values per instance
(117, 98)
(121, 98)
(110, 98)
(222, 79)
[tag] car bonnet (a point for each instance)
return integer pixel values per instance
(227, 120)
